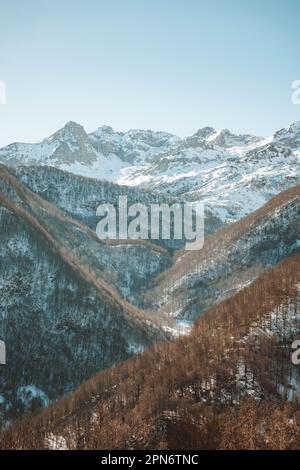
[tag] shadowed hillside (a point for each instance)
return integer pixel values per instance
(62, 318)
(212, 389)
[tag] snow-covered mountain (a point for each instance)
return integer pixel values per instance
(232, 174)
(64, 292)
(72, 305)
(103, 154)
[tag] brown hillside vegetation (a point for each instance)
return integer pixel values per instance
(225, 385)
(230, 258)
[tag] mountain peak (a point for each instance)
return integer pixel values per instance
(289, 136)
(204, 132)
(103, 130)
(70, 132)
(72, 125)
(225, 138)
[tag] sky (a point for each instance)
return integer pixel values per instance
(174, 65)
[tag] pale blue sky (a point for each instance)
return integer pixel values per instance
(176, 65)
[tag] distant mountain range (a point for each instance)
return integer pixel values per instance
(232, 174)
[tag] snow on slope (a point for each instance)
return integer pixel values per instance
(232, 174)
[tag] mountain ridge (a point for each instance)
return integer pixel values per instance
(232, 174)
(231, 258)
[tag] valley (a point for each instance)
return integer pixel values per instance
(81, 316)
